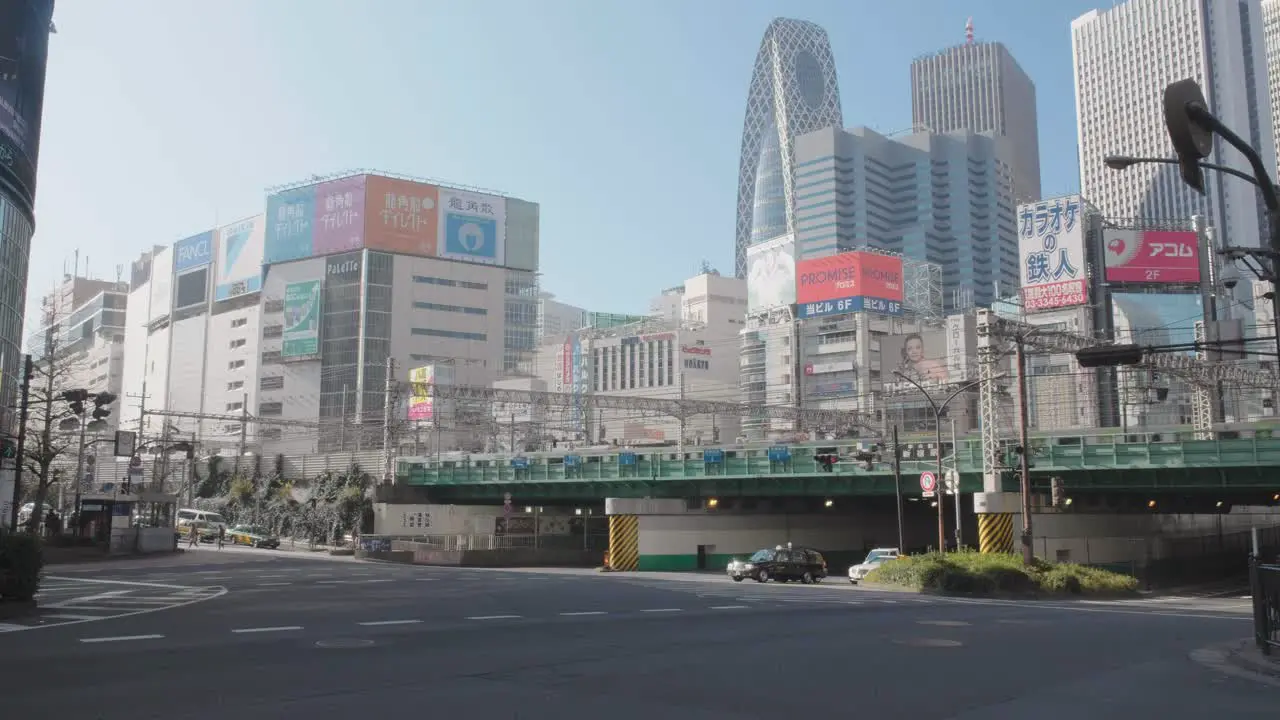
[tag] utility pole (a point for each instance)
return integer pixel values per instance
(388, 451)
(682, 415)
(244, 430)
(1028, 553)
(80, 464)
(342, 422)
(897, 486)
(28, 370)
(955, 471)
(513, 434)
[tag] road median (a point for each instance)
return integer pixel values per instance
(972, 574)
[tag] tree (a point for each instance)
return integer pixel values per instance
(52, 427)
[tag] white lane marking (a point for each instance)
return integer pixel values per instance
(209, 572)
(10, 627)
(120, 638)
(211, 594)
(366, 582)
(1096, 609)
(61, 616)
(271, 575)
(378, 623)
(280, 628)
(661, 610)
(274, 584)
(728, 607)
(584, 613)
(120, 582)
(427, 579)
(493, 617)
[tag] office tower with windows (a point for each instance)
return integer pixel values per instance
(793, 91)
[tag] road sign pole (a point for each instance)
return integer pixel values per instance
(27, 371)
(897, 486)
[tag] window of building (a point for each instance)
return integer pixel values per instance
(239, 322)
(273, 331)
(448, 282)
(451, 308)
(271, 382)
(271, 357)
(271, 409)
(236, 385)
(238, 343)
(456, 334)
(235, 406)
(235, 364)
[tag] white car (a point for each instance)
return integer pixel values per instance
(875, 559)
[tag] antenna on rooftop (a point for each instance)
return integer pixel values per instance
(968, 32)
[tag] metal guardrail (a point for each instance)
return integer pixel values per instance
(1265, 582)
(468, 542)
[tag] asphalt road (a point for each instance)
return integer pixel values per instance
(298, 637)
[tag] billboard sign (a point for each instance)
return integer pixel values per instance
(24, 51)
(421, 402)
(339, 221)
(191, 288)
(290, 225)
(1051, 254)
(828, 368)
(832, 388)
(239, 267)
(849, 282)
(473, 227)
(193, 252)
(401, 216)
(918, 356)
(301, 335)
(771, 274)
(1151, 256)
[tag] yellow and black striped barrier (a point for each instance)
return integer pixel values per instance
(995, 532)
(624, 543)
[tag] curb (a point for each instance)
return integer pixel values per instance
(1240, 659)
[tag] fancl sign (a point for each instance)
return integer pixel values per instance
(194, 252)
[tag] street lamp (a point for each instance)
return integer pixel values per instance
(938, 410)
(1124, 162)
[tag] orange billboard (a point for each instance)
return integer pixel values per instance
(401, 216)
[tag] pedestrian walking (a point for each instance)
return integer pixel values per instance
(194, 537)
(222, 534)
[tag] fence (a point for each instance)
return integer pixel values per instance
(470, 542)
(1265, 581)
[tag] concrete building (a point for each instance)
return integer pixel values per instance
(83, 323)
(793, 91)
(946, 199)
(556, 318)
(692, 354)
(1124, 58)
(980, 87)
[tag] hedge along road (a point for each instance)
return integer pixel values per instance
(73, 601)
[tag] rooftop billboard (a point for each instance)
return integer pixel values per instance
(771, 273)
(193, 252)
(849, 282)
(1051, 254)
(402, 216)
(239, 266)
(1151, 256)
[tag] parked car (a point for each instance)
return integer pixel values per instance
(253, 536)
(874, 559)
(782, 564)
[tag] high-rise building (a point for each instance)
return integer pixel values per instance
(979, 86)
(945, 199)
(556, 318)
(793, 91)
(1124, 58)
(24, 47)
(1271, 46)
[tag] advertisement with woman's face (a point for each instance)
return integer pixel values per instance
(921, 357)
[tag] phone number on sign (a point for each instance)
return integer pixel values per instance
(1053, 295)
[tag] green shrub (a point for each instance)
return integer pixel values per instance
(998, 573)
(20, 563)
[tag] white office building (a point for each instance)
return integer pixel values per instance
(556, 318)
(1124, 58)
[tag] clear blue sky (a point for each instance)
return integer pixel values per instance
(623, 119)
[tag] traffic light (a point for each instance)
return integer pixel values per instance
(76, 399)
(1109, 355)
(100, 402)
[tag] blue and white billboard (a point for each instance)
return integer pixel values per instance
(473, 227)
(239, 266)
(879, 306)
(193, 252)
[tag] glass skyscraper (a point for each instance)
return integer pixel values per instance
(793, 91)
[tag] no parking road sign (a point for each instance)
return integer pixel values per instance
(928, 483)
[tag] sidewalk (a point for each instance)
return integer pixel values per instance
(1248, 657)
(1242, 659)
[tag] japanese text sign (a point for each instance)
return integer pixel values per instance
(1051, 254)
(290, 225)
(401, 216)
(1151, 256)
(339, 221)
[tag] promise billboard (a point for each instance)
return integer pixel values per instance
(849, 282)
